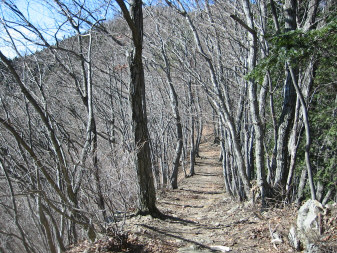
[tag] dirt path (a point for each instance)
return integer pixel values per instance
(204, 218)
(201, 218)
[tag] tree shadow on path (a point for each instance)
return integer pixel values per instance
(167, 234)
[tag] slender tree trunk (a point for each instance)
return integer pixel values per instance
(183, 158)
(179, 132)
(301, 186)
(221, 101)
(326, 197)
(215, 128)
(192, 142)
(250, 136)
(92, 131)
(176, 115)
(224, 161)
(289, 100)
(253, 103)
(99, 198)
(307, 132)
(199, 128)
(293, 148)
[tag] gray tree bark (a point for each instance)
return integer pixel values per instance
(254, 108)
(176, 115)
(303, 180)
(222, 100)
(288, 109)
(192, 118)
(307, 132)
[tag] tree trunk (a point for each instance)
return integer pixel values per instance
(326, 197)
(272, 162)
(176, 115)
(293, 143)
(288, 109)
(301, 186)
(221, 101)
(192, 142)
(224, 161)
(307, 132)
(253, 103)
(179, 132)
(199, 128)
(142, 159)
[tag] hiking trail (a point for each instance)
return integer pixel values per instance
(202, 218)
(206, 219)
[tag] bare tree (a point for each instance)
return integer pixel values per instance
(143, 164)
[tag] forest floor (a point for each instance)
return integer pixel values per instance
(202, 218)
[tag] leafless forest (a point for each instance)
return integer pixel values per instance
(92, 123)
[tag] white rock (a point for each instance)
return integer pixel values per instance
(312, 248)
(308, 222)
(221, 248)
(293, 239)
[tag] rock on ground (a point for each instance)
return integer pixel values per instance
(309, 222)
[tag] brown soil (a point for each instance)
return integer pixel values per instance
(201, 216)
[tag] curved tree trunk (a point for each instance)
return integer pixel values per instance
(307, 132)
(288, 109)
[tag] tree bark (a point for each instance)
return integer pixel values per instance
(307, 132)
(142, 159)
(301, 186)
(253, 103)
(192, 142)
(293, 144)
(224, 161)
(221, 105)
(176, 115)
(288, 109)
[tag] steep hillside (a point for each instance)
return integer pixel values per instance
(95, 123)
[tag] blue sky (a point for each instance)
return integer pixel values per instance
(46, 17)
(43, 15)
(37, 13)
